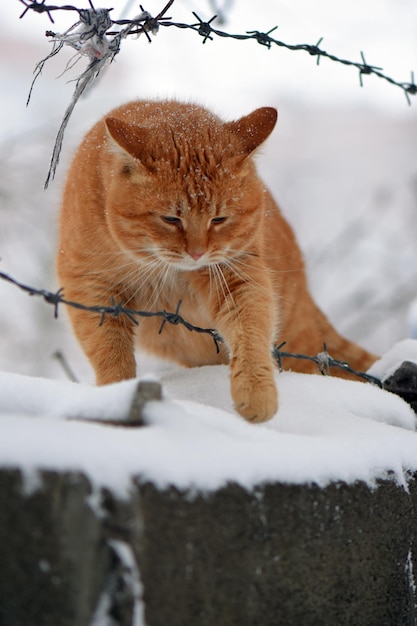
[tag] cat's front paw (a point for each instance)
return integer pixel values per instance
(255, 399)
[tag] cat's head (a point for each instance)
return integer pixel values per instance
(183, 185)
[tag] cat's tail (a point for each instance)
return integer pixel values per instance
(315, 335)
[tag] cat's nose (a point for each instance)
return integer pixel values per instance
(196, 254)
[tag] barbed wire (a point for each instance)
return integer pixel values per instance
(114, 310)
(323, 360)
(92, 36)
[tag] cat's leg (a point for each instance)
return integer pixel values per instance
(253, 388)
(108, 345)
(246, 321)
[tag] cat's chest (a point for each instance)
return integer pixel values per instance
(171, 288)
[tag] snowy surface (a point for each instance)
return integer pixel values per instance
(326, 429)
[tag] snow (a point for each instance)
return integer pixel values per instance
(131, 578)
(327, 429)
(402, 351)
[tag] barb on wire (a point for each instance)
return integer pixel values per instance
(114, 310)
(91, 36)
(324, 362)
(366, 69)
(41, 7)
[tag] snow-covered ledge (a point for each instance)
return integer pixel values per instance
(201, 518)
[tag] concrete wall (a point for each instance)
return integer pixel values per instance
(279, 555)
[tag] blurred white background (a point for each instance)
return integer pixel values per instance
(342, 162)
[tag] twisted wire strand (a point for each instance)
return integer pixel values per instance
(323, 360)
(206, 31)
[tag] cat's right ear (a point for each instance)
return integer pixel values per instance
(254, 128)
(131, 139)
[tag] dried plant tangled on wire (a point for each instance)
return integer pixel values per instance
(92, 36)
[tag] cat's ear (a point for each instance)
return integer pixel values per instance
(254, 128)
(130, 138)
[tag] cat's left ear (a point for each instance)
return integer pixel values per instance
(254, 128)
(132, 139)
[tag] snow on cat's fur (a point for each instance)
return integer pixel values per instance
(163, 204)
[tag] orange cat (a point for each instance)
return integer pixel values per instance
(163, 203)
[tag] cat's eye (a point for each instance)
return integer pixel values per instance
(170, 219)
(218, 220)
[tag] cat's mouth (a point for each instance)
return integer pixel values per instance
(187, 263)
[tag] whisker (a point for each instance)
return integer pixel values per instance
(270, 270)
(142, 277)
(245, 277)
(174, 280)
(225, 288)
(219, 285)
(154, 280)
(213, 280)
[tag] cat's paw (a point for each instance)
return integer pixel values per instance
(256, 401)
